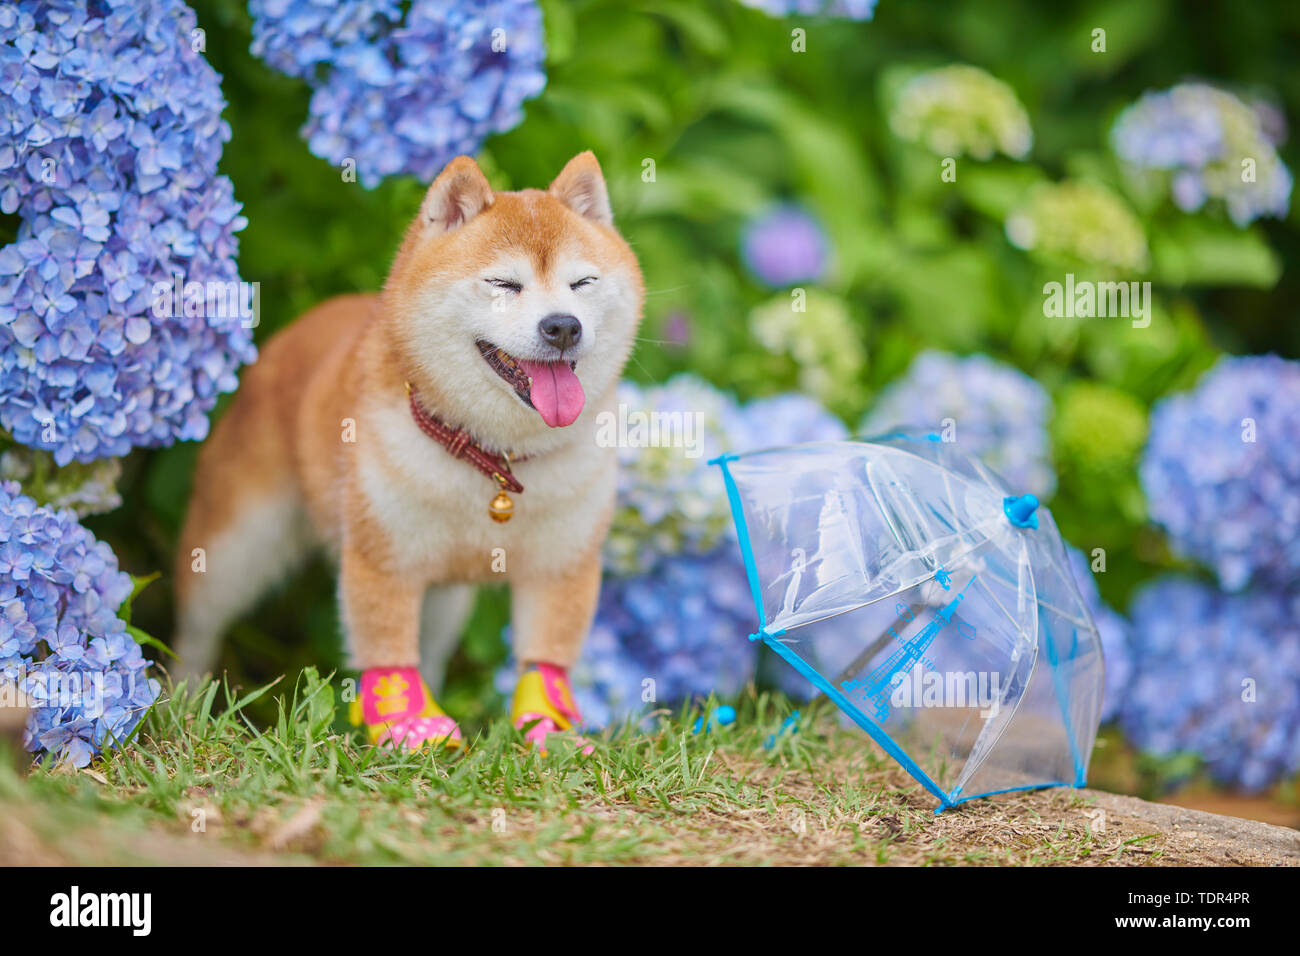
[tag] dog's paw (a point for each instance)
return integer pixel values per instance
(397, 710)
(412, 733)
(544, 705)
(537, 727)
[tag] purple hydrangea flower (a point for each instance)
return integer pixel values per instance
(1217, 675)
(1222, 467)
(677, 329)
(785, 245)
(1200, 136)
(846, 9)
(61, 640)
(404, 95)
(997, 412)
(108, 154)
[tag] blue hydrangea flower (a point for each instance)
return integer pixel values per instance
(61, 640)
(1222, 467)
(1198, 136)
(785, 245)
(846, 9)
(404, 95)
(1114, 632)
(670, 501)
(676, 633)
(109, 144)
(999, 413)
(789, 419)
(1217, 675)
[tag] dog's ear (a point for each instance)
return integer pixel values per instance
(460, 193)
(581, 187)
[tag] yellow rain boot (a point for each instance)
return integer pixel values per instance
(397, 710)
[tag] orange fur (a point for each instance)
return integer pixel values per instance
(277, 476)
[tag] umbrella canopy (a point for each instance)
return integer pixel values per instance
(933, 604)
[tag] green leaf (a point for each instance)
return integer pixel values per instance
(138, 584)
(148, 639)
(827, 166)
(1201, 251)
(694, 23)
(557, 20)
(998, 188)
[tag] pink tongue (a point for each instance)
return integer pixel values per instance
(556, 393)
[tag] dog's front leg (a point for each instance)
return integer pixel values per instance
(381, 618)
(551, 614)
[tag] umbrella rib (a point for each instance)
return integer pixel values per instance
(903, 587)
(880, 642)
(1001, 607)
(1069, 617)
(988, 478)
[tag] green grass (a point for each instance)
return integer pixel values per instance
(203, 783)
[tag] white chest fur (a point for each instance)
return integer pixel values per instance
(433, 508)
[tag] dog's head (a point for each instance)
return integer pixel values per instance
(516, 309)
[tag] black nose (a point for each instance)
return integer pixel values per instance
(562, 331)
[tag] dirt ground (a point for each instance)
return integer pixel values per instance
(803, 825)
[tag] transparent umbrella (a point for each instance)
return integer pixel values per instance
(930, 602)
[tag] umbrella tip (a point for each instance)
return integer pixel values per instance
(1021, 511)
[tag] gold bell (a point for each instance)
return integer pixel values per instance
(502, 508)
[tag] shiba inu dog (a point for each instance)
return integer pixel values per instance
(399, 431)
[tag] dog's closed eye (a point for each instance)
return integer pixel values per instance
(506, 285)
(582, 283)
